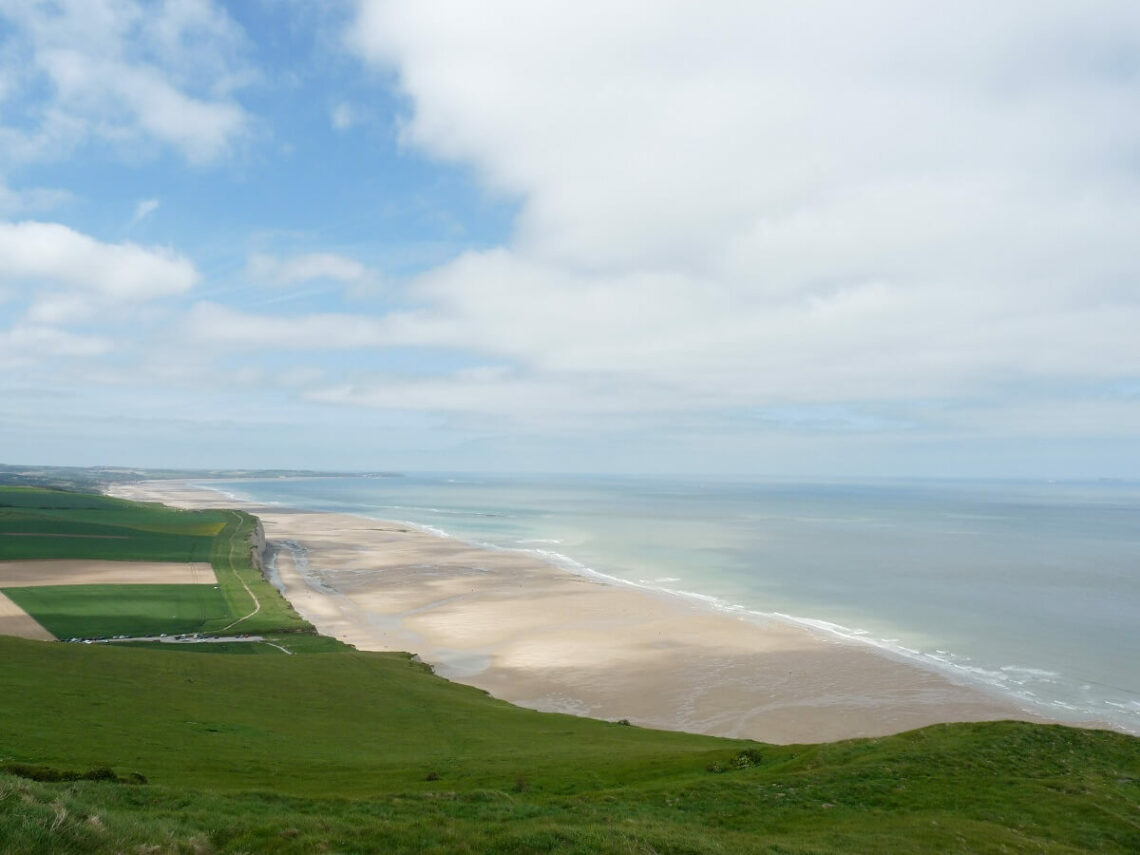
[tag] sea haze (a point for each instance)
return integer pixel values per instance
(1033, 588)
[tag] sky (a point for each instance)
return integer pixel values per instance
(823, 239)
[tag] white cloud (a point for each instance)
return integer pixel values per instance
(295, 269)
(751, 204)
(70, 277)
(343, 116)
(124, 71)
(658, 133)
(464, 393)
(656, 341)
(225, 327)
(143, 209)
(1053, 417)
(53, 254)
(300, 376)
(26, 344)
(30, 200)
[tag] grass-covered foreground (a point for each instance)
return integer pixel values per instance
(356, 752)
(147, 749)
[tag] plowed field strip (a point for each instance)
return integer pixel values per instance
(15, 621)
(45, 572)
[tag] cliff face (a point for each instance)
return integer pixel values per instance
(257, 548)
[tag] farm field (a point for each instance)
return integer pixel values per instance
(102, 611)
(16, 622)
(77, 571)
(89, 536)
(39, 523)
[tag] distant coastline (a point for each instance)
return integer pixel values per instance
(540, 636)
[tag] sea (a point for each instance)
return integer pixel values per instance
(1030, 588)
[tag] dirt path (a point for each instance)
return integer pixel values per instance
(252, 595)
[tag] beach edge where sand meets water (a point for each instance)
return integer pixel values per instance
(543, 637)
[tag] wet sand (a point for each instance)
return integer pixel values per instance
(542, 637)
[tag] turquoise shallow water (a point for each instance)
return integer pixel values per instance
(1033, 588)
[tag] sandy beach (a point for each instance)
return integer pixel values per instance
(542, 637)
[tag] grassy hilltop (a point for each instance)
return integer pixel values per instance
(190, 749)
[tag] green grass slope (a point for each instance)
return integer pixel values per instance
(356, 752)
(337, 724)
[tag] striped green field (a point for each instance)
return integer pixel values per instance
(56, 524)
(102, 611)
